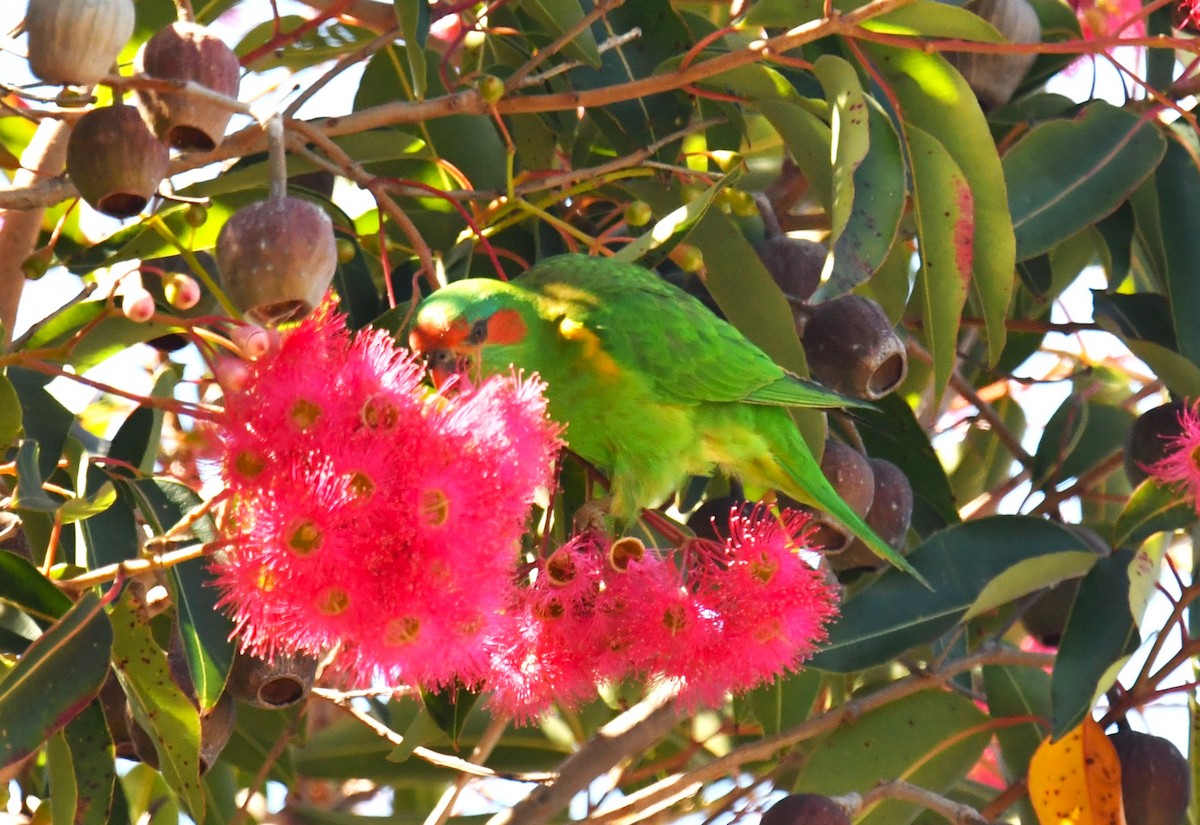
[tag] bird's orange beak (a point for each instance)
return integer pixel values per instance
(440, 345)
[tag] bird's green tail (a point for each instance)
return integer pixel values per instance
(811, 486)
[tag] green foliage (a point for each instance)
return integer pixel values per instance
(482, 138)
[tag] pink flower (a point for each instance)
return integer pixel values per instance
(1109, 18)
(370, 516)
(1181, 464)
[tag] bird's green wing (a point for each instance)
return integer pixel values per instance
(647, 324)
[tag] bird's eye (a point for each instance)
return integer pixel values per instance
(478, 333)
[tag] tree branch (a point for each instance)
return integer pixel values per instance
(43, 158)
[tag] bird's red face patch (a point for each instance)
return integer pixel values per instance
(432, 333)
(505, 327)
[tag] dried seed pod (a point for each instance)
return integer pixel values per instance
(187, 52)
(1155, 779)
(851, 475)
(853, 348)
(805, 809)
(795, 264)
(276, 258)
(1147, 441)
(890, 516)
(114, 161)
(76, 41)
(1046, 618)
(275, 684)
(995, 77)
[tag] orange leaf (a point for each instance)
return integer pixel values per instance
(1077, 780)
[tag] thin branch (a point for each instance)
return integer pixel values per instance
(956, 813)
(517, 78)
(633, 732)
(132, 567)
(767, 747)
(44, 157)
(440, 760)
(483, 749)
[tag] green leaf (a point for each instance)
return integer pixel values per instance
(85, 507)
(158, 704)
(1077, 437)
(809, 140)
(449, 707)
(1096, 642)
(926, 18)
(1066, 174)
(10, 412)
(204, 629)
(630, 125)
(82, 775)
(413, 17)
(35, 699)
(1153, 508)
(29, 494)
(654, 245)
(934, 97)
(109, 336)
(23, 587)
(149, 800)
(966, 564)
(1178, 184)
(316, 46)
(1138, 321)
(44, 419)
(785, 702)
(1016, 692)
(556, 17)
(111, 536)
(931, 739)
(879, 199)
(850, 133)
(945, 214)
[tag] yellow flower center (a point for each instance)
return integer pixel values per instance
(249, 463)
(304, 537)
(379, 413)
(333, 601)
(402, 631)
(435, 508)
(304, 414)
(624, 552)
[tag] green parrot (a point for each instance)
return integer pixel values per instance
(651, 385)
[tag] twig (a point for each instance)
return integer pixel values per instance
(132, 567)
(632, 732)
(343, 63)
(516, 79)
(43, 157)
(441, 760)
(483, 749)
(956, 813)
(767, 747)
(614, 42)
(268, 763)
(83, 295)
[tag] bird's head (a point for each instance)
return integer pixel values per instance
(469, 326)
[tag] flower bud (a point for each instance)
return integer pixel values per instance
(76, 41)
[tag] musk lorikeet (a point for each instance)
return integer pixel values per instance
(651, 385)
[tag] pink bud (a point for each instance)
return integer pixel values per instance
(232, 374)
(254, 342)
(182, 291)
(138, 305)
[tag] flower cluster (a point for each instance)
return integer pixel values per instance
(378, 522)
(372, 517)
(1181, 462)
(723, 616)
